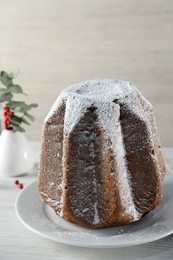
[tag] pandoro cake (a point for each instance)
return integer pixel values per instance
(101, 162)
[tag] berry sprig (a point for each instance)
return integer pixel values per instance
(16, 113)
(20, 185)
(7, 115)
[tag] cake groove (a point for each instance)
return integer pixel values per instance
(144, 180)
(80, 174)
(52, 152)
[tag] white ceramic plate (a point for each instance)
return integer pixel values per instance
(40, 218)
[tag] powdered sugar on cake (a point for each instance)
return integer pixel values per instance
(106, 101)
(57, 205)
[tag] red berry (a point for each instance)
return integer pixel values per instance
(7, 122)
(11, 113)
(5, 113)
(16, 182)
(20, 186)
(7, 109)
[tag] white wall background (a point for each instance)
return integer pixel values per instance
(56, 43)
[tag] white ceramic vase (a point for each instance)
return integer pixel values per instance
(16, 156)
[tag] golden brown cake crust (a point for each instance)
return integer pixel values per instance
(101, 162)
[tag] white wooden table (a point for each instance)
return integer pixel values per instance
(17, 242)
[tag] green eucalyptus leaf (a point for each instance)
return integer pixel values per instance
(15, 89)
(26, 108)
(25, 121)
(18, 128)
(29, 116)
(14, 104)
(11, 89)
(2, 72)
(3, 91)
(19, 109)
(5, 79)
(33, 105)
(22, 108)
(16, 120)
(14, 74)
(5, 97)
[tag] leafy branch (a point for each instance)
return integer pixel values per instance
(16, 113)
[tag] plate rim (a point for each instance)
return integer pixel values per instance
(78, 244)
